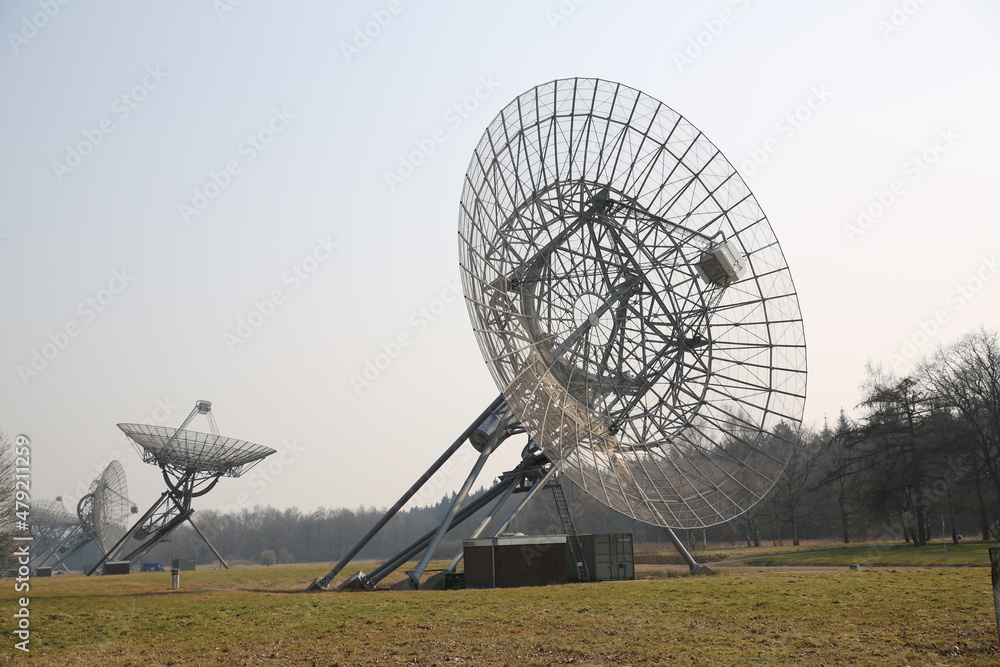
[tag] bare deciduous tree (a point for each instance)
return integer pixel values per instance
(7, 507)
(965, 379)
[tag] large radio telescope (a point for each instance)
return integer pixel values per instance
(632, 302)
(191, 462)
(635, 310)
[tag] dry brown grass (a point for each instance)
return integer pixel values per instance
(260, 616)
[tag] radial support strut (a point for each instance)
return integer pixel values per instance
(504, 497)
(530, 475)
(53, 550)
(165, 516)
(363, 580)
(692, 564)
(456, 504)
(541, 479)
(119, 546)
(204, 539)
(82, 540)
(324, 581)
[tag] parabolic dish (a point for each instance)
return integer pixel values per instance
(192, 450)
(50, 514)
(104, 511)
(632, 302)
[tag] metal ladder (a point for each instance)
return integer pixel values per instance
(566, 519)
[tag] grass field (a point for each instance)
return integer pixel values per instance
(759, 616)
(889, 554)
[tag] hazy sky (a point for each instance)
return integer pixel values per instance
(248, 202)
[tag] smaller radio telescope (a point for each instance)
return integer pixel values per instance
(102, 516)
(104, 512)
(51, 523)
(192, 463)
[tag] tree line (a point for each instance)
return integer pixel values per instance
(921, 461)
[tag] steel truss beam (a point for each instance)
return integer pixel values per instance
(531, 468)
(73, 542)
(497, 420)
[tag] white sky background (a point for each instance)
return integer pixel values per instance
(889, 96)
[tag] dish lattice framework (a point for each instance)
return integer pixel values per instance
(182, 450)
(51, 514)
(104, 511)
(632, 302)
(50, 523)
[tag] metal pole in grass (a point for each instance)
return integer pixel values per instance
(944, 541)
(995, 573)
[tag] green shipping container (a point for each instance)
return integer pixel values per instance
(607, 557)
